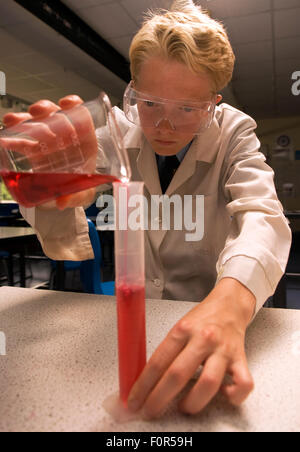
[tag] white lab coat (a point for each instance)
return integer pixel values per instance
(246, 235)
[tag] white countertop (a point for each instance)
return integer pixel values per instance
(61, 364)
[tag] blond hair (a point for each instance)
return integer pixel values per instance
(188, 35)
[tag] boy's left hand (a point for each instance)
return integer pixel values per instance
(212, 334)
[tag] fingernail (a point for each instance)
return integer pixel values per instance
(8, 121)
(145, 415)
(133, 405)
(62, 202)
(36, 109)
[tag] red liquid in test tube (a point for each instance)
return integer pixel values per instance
(132, 336)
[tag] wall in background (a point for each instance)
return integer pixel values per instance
(281, 155)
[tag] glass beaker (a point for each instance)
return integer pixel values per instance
(67, 152)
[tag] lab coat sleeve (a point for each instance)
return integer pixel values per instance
(63, 235)
(257, 247)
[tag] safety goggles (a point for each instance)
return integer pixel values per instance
(152, 112)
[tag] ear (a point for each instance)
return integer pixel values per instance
(219, 98)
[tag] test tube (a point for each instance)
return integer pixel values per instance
(130, 283)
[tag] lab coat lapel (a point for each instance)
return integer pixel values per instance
(142, 160)
(144, 168)
(204, 149)
(147, 168)
(185, 170)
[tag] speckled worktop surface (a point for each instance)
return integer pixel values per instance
(61, 363)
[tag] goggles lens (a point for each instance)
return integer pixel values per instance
(180, 116)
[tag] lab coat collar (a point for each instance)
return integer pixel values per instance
(204, 148)
(133, 138)
(208, 143)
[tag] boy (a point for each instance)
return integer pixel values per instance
(180, 60)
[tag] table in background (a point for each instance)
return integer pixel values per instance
(292, 214)
(62, 362)
(280, 295)
(7, 219)
(14, 240)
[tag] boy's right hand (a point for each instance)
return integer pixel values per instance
(43, 109)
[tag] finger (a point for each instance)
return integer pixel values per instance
(37, 131)
(50, 205)
(242, 383)
(175, 378)
(12, 119)
(207, 386)
(156, 367)
(70, 101)
(22, 146)
(83, 124)
(66, 201)
(42, 109)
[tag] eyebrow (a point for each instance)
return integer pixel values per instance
(145, 96)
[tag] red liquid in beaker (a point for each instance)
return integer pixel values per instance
(132, 335)
(33, 189)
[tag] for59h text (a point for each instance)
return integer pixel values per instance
(152, 441)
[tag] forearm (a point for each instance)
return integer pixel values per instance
(258, 243)
(64, 235)
(234, 300)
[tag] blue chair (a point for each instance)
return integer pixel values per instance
(90, 269)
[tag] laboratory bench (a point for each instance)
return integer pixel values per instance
(59, 363)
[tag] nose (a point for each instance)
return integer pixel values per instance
(165, 123)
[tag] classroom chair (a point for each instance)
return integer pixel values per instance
(90, 270)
